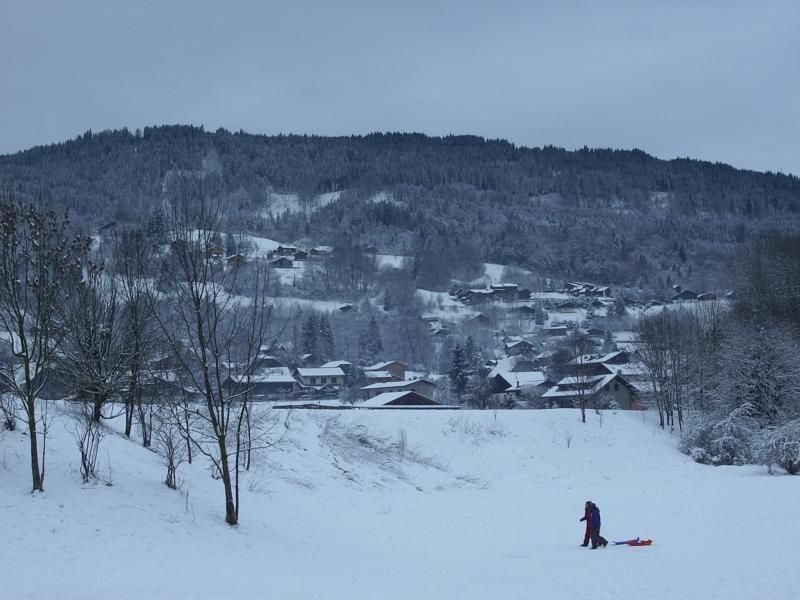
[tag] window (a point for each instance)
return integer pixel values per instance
(313, 380)
(616, 387)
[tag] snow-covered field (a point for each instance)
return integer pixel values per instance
(400, 505)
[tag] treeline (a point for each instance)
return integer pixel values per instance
(730, 379)
(620, 217)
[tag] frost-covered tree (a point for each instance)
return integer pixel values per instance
(37, 256)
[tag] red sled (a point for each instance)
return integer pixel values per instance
(639, 542)
(636, 542)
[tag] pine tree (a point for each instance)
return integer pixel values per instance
(370, 342)
(326, 346)
(458, 371)
(308, 336)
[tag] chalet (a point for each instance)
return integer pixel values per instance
(566, 306)
(477, 296)
(319, 376)
(320, 251)
(524, 294)
(286, 250)
(479, 320)
(519, 347)
(556, 331)
(379, 376)
(266, 386)
(300, 255)
(684, 295)
(407, 399)
(440, 332)
(341, 364)
(581, 288)
(235, 260)
(707, 296)
(527, 310)
(395, 367)
(504, 292)
(281, 263)
(597, 364)
(267, 361)
(601, 391)
(215, 251)
(421, 386)
(516, 382)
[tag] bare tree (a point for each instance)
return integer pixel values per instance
(169, 441)
(37, 256)
(95, 357)
(132, 254)
(88, 433)
(215, 336)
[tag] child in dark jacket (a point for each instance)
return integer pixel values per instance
(587, 516)
(597, 539)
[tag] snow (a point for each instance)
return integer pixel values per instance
(278, 204)
(387, 261)
(404, 504)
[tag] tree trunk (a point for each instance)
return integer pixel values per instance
(36, 475)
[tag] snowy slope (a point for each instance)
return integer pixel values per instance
(474, 505)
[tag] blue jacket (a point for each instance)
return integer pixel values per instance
(595, 517)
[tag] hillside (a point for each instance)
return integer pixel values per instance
(404, 504)
(620, 217)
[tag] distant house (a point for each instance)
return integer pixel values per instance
(478, 296)
(341, 364)
(515, 382)
(504, 292)
(399, 400)
(317, 376)
(346, 308)
(395, 367)
(266, 386)
(235, 260)
(707, 296)
(423, 387)
(684, 295)
(320, 251)
(527, 311)
(519, 347)
(379, 376)
(597, 364)
(581, 288)
(267, 361)
(524, 294)
(556, 331)
(598, 390)
(281, 263)
(283, 250)
(300, 255)
(440, 332)
(214, 251)
(479, 320)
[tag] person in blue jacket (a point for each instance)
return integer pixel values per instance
(597, 539)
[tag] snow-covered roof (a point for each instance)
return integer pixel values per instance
(381, 366)
(335, 363)
(320, 372)
(386, 397)
(586, 385)
(378, 375)
(272, 378)
(587, 359)
(395, 384)
(522, 378)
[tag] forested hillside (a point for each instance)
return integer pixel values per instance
(619, 217)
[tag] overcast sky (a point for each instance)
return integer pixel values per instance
(717, 80)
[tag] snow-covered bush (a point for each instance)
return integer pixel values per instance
(780, 445)
(725, 442)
